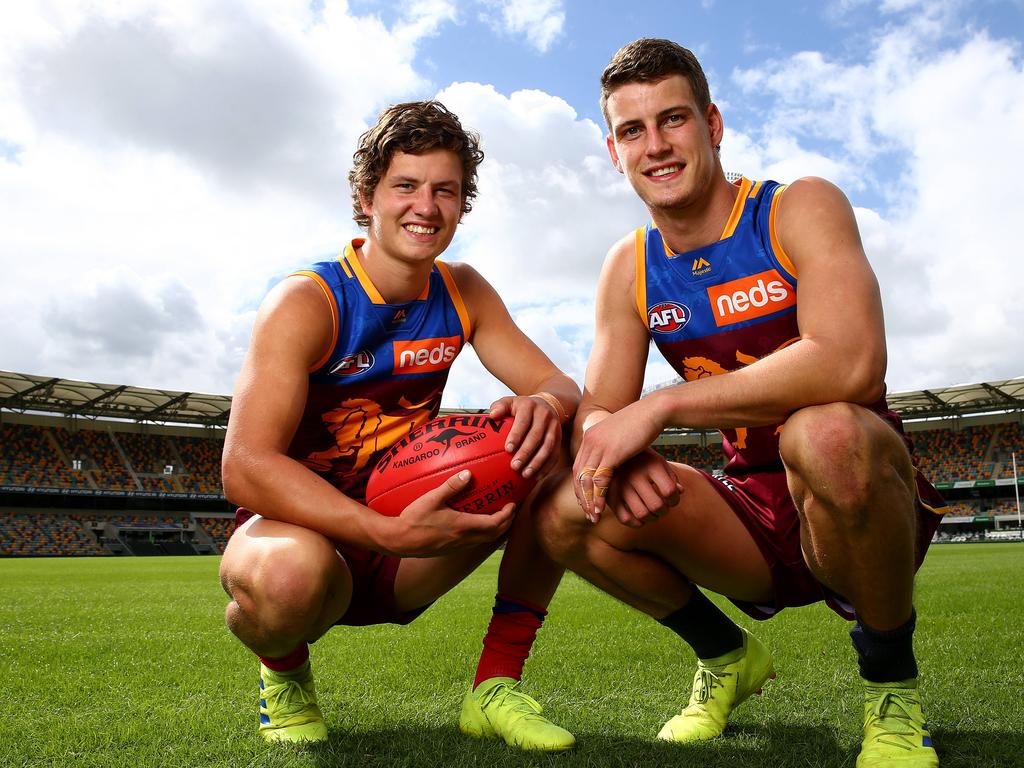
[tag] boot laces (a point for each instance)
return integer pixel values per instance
(894, 716)
(289, 697)
(508, 697)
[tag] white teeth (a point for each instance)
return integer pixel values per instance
(665, 171)
(416, 229)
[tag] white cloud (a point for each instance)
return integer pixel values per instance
(201, 145)
(540, 21)
(953, 119)
(550, 206)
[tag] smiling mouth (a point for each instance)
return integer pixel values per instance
(419, 229)
(663, 171)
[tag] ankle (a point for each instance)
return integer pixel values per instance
(291, 662)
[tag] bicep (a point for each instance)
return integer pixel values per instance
(291, 333)
(840, 306)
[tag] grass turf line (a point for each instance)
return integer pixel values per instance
(126, 661)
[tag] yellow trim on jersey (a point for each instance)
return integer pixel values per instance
(344, 265)
(755, 190)
(334, 315)
(453, 291)
(737, 208)
(640, 238)
(364, 279)
(780, 252)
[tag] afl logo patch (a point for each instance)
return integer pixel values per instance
(352, 365)
(667, 317)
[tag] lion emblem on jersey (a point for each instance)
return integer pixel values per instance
(361, 430)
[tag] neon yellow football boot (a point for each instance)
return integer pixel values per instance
(498, 710)
(719, 686)
(895, 733)
(288, 708)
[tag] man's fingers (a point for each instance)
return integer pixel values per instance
(535, 451)
(453, 485)
(500, 408)
(490, 526)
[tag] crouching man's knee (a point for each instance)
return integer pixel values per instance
(845, 455)
(561, 526)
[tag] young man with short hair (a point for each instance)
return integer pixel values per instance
(325, 390)
(820, 498)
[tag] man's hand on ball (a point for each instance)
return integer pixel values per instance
(535, 436)
(429, 527)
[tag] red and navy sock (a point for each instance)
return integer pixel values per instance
(885, 657)
(290, 661)
(509, 638)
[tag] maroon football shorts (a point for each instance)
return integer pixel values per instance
(762, 503)
(373, 584)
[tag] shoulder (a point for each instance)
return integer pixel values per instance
(469, 282)
(811, 195)
(297, 310)
(619, 270)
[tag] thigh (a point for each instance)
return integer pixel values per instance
(703, 538)
(420, 581)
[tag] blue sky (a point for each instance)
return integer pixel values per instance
(162, 164)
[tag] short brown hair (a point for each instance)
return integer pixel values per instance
(650, 60)
(414, 127)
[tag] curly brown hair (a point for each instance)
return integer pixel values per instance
(414, 127)
(650, 60)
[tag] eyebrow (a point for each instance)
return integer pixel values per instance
(660, 116)
(413, 180)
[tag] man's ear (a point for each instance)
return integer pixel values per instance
(716, 125)
(613, 153)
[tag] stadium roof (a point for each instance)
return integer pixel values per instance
(66, 397)
(25, 393)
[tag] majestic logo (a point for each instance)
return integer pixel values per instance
(445, 437)
(425, 355)
(399, 317)
(667, 317)
(352, 365)
(750, 297)
(701, 266)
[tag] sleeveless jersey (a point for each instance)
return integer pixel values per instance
(384, 373)
(723, 306)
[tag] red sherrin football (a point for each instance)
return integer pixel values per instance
(432, 453)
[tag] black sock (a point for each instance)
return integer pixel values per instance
(707, 630)
(885, 657)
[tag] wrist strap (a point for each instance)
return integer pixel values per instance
(555, 403)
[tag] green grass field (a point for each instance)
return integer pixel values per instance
(126, 662)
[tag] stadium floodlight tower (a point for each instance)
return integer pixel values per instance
(733, 176)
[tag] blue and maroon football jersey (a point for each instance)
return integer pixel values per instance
(385, 371)
(721, 307)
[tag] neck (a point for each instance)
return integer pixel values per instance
(397, 281)
(700, 222)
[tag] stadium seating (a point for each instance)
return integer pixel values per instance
(95, 460)
(43, 535)
(946, 455)
(708, 457)
(29, 457)
(201, 464)
(219, 530)
(1009, 440)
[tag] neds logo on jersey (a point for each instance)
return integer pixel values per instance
(750, 297)
(667, 317)
(425, 355)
